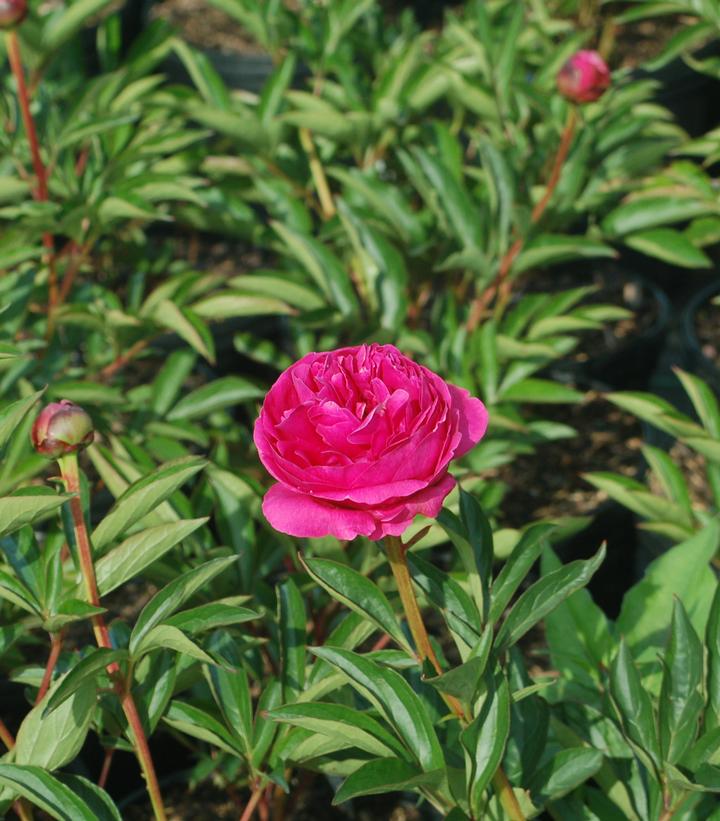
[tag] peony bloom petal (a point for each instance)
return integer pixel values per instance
(300, 515)
(473, 419)
(360, 440)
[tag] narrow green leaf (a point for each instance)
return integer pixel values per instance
(542, 598)
(484, 741)
(383, 775)
(332, 720)
(681, 698)
(144, 496)
(635, 706)
(396, 701)
(164, 603)
(49, 793)
(139, 551)
(12, 414)
(292, 620)
(24, 508)
(670, 246)
(517, 566)
(225, 392)
(87, 669)
(358, 593)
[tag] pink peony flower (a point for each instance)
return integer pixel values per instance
(360, 440)
(61, 427)
(584, 78)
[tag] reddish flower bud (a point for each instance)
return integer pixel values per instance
(584, 78)
(60, 428)
(12, 13)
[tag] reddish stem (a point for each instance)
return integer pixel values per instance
(501, 282)
(71, 477)
(121, 361)
(105, 771)
(56, 642)
(41, 192)
(7, 738)
(252, 803)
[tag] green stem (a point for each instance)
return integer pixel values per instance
(71, 477)
(397, 556)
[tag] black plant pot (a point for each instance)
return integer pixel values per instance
(696, 353)
(625, 363)
(692, 97)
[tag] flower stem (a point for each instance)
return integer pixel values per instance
(253, 802)
(71, 477)
(41, 192)
(397, 556)
(318, 174)
(6, 736)
(501, 282)
(21, 807)
(56, 642)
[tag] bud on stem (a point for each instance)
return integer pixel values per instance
(584, 78)
(61, 428)
(12, 13)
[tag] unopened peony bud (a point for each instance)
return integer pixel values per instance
(12, 13)
(60, 428)
(584, 78)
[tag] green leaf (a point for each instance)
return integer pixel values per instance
(333, 720)
(86, 670)
(143, 497)
(230, 304)
(165, 636)
(69, 611)
(12, 414)
(635, 706)
(139, 551)
(96, 798)
(211, 616)
(567, 771)
(225, 392)
(231, 689)
(323, 266)
(52, 740)
(449, 597)
(196, 723)
(550, 249)
(396, 701)
(649, 212)
(541, 391)
(544, 596)
(50, 794)
(170, 316)
(712, 642)
(525, 553)
(704, 401)
(171, 597)
(463, 681)
(670, 246)
(358, 593)
(484, 741)
(682, 571)
(384, 775)
(24, 507)
(69, 20)
(681, 698)
(292, 619)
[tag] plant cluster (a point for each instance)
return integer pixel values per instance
(429, 209)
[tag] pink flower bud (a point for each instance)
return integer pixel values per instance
(60, 428)
(584, 78)
(12, 13)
